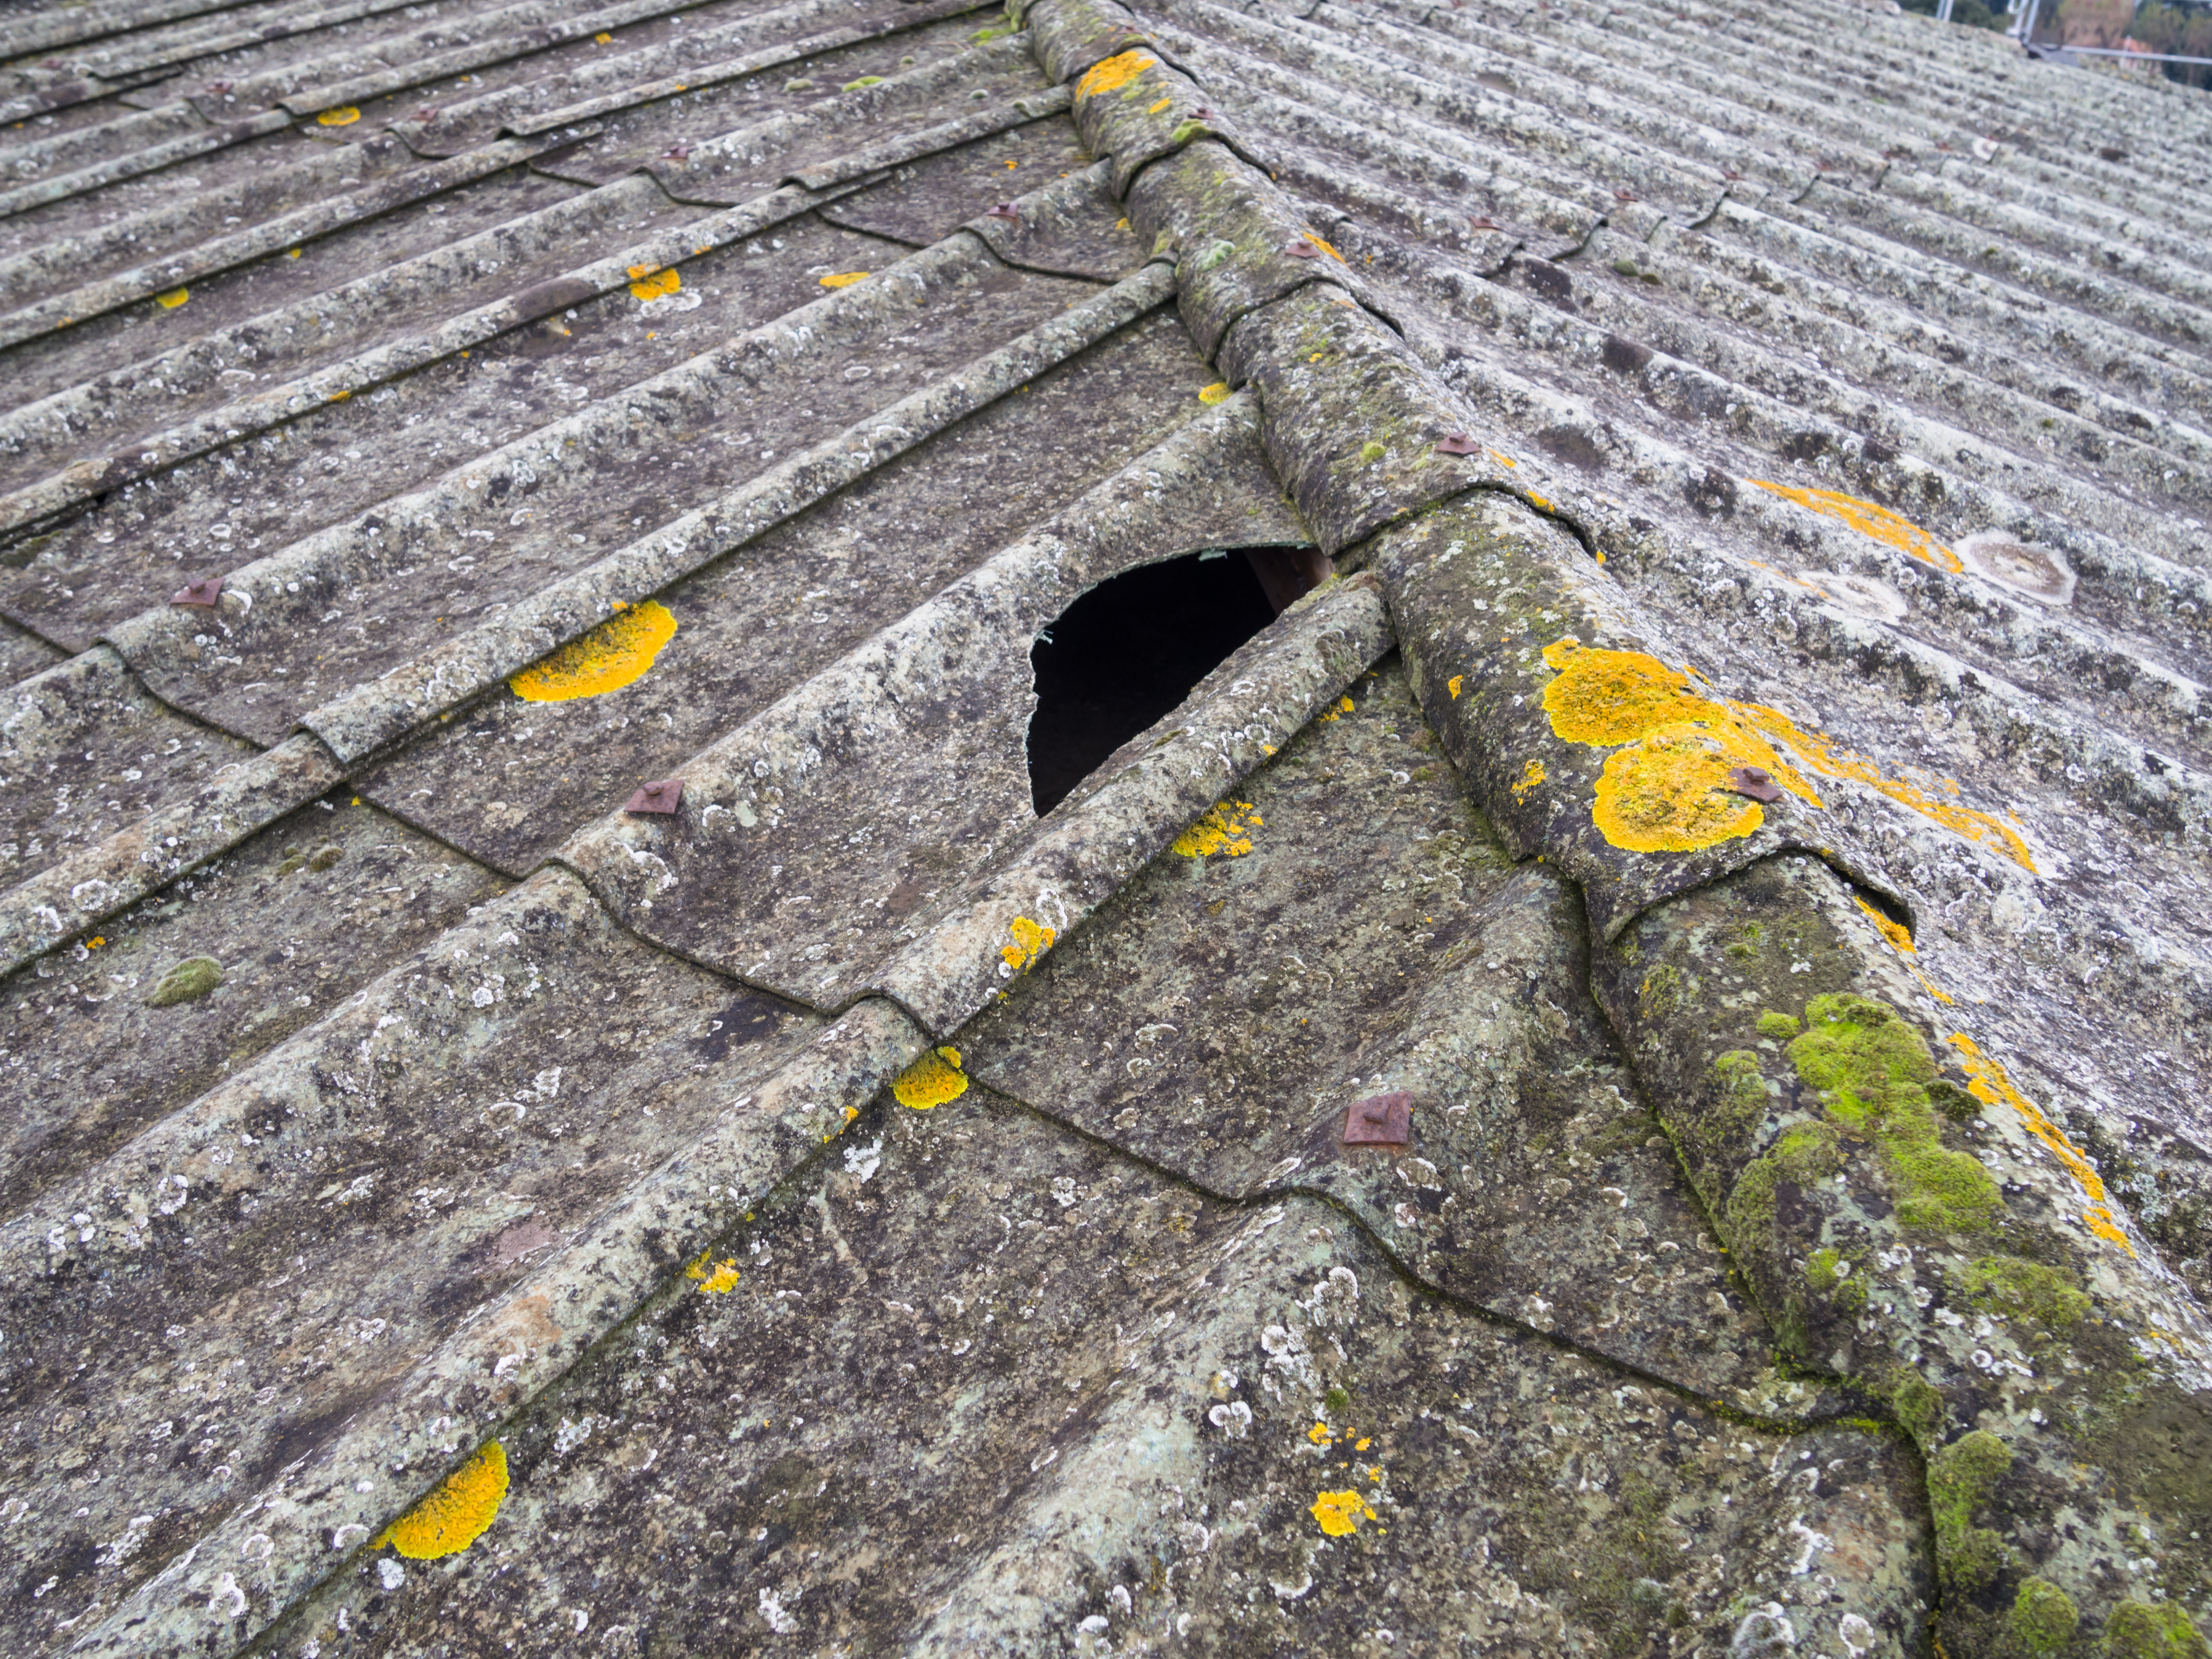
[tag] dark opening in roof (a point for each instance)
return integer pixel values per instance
(1130, 650)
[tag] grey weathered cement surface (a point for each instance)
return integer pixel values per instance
(1849, 365)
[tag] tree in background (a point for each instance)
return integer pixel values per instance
(2154, 25)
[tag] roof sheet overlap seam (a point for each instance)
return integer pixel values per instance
(357, 727)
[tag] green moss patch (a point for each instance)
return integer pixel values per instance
(1959, 1478)
(1873, 1069)
(2153, 1630)
(1780, 1026)
(188, 982)
(2027, 1290)
(2043, 1619)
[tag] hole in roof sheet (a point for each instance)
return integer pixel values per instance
(1130, 650)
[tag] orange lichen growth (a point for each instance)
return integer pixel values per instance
(1218, 393)
(1529, 779)
(1113, 74)
(1031, 940)
(1615, 697)
(716, 1277)
(1987, 1082)
(455, 1514)
(1453, 685)
(1667, 794)
(931, 1081)
(1894, 932)
(617, 651)
(845, 278)
(1869, 520)
(1226, 828)
(1667, 790)
(344, 116)
(1819, 754)
(1339, 1513)
(1691, 743)
(652, 281)
(173, 299)
(1324, 247)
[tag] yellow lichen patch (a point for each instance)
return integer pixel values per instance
(173, 299)
(1539, 503)
(1529, 779)
(1226, 828)
(1344, 706)
(1218, 393)
(1605, 698)
(1113, 74)
(1986, 1080)
(1031, 940)
(454, 1516)
(1869, 520)
(1667, 795)
(844, 279)
(1453, 685)
(1616, 696)
(651, 282)
(344, 116)
(1821, 755)
(1339, 1513)
(1320, 1436)
(715, 1278)
(1157, 108)
(931, 1081)
(1894, 932)
(1325, 247)
(611, 656)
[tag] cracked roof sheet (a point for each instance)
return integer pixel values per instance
(1628, 1077)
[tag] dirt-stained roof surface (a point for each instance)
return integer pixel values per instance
(1601, 1047)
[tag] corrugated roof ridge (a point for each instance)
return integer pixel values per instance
(669, 248)
(185, 266)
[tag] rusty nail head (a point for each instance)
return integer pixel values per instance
(1302, 249)
(1456, 443)
(1003, 211)
(664, 797)
(1379, 1120)
(1754, 781)
(206, 591)
(1202, 113)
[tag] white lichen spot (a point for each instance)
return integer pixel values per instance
(1233, 1419)
(229, 1601)
(772, 1609)
(865, 1161)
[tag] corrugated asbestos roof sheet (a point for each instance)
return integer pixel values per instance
(1628, 1077)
